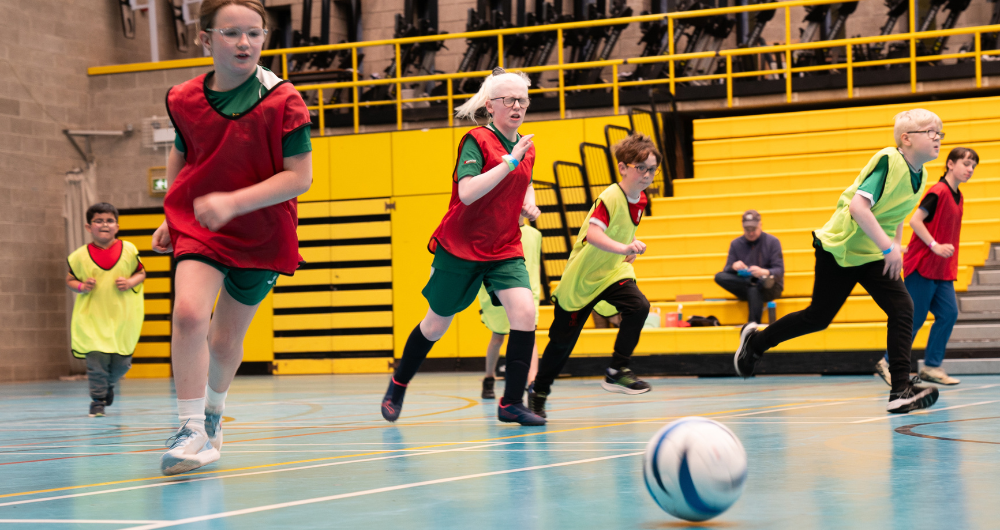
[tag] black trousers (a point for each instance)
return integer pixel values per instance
(626, 297)
(749, 289)
(831, 287)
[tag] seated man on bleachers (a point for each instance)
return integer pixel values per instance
(755, 267)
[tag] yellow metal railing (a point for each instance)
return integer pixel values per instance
(615, 85)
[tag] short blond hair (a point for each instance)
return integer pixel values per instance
(914, 120)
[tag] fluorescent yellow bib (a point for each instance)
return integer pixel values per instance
(842, 237)
(495, 317)
(106, 320)
(590, 270)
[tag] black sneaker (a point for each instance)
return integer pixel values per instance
(518, 413)
(488, 388)
(392, 407)
(746, 360)
(109, 398)
(96, 409)
(624, 382)
(913, 398)
(536, 401)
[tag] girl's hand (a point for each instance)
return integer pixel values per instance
(161, 240)
(530, 211)
(88, 285)
(522, 147)
(214, 210)
(943, 249)
(122, 284)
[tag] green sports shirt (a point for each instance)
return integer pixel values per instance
(470, 159)
(241, 99)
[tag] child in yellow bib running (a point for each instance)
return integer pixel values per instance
(861, 243)
(600, 269)
(495, 317)
(107, 314)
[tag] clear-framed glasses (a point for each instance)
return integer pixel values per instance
(508, 101)
(234, 35)
(642, 169)
(104, 222)
(933, 135)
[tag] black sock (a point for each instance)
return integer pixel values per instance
(619, 361)
(416, 350)
(519, 347)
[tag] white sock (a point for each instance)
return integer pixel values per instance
(215, 401)
(193, 412)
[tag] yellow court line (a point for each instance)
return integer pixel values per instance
(262, 466)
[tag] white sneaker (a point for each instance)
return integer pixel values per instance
(882, 370)
(189, 449)
(213, 428)
(936, 374)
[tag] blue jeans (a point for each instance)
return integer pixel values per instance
(938, 297)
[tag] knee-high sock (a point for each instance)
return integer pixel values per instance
(416, 350)
(519, 347)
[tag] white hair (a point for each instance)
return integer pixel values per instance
(488, 91)
(913, 120)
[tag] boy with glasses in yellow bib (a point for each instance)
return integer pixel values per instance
(600, 269)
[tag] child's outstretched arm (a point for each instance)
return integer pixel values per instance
(214, 210)
(944, 250)
(597, 237)
(861, 211)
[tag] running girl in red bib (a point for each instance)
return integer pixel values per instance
(478, 243)
(241, 156)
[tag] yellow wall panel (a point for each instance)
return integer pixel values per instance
(372, 365)
(302, 344)
(361, 275)
(320, 321)
(414, 220)
(258, 344)
(358, 207)
(422, 161)
(156, 306)
(554, 140)
(360, 166)
(156, 263)
(368, 319)
(376, 297)
(314, 209)
(593, 128)
(152, 349)
(287, 300)
(472, 333)
(320, 189)
(140, 242)
(155, 327)
(359, 230)
(362, 342)
(306, 277)
(140, 222)
(148, 371)
(312, 254)
(313, 232)
(357, 252)
(156, 285)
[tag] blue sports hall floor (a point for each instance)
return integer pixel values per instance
(313, 452)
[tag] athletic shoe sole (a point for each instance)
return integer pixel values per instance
(618, 389)
(936, 381)
(886, 377)
(525, 423)
(922, 400)
(745, 333)
(173, 465)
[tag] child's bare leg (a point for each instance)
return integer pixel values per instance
(196, 285)
(225, 340)
(493, 353)
(533, 370)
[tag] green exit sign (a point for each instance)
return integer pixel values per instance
(160, 185)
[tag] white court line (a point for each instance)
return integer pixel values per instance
(266, 472)
(784, 409)
(78, 521)
(315, 500)
(320, 451)
(927, 411)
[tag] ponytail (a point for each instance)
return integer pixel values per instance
(488, 90)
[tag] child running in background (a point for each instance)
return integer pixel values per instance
(600, 269)
(241, 158)
(495, 318)
(861, 243)
(108, 311)
(930, 265)
(478, 243)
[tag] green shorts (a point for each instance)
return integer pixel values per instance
(455, 282)
(246, 286)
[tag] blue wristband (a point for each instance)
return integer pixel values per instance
(511, 161)
(888, 250)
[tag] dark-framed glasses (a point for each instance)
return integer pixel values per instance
(508, 101)
(642, 169)
(933, 135)
(234, 35)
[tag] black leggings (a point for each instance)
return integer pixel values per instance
(831, 287)
(626, 297)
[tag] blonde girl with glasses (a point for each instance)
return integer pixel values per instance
(478, 243)
(241, 156)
